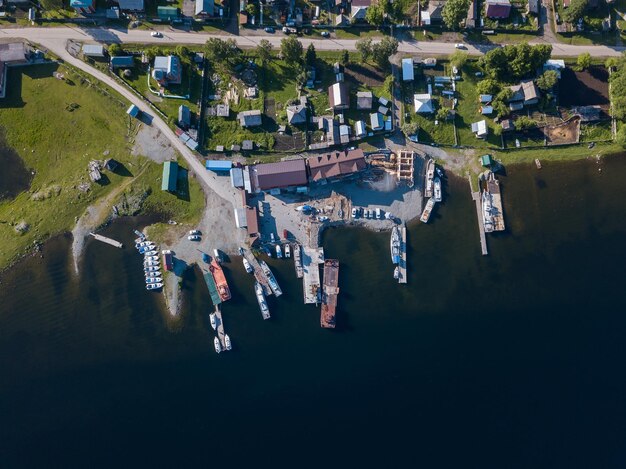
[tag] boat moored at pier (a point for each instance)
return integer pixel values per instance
(427, 210)
(395, 245)
(271, 279)
(260, 297)
(220, 280)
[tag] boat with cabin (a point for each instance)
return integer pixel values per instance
(395, 245)
(437, 189)
(154, 286)
(271, 279)
(287, 251)
(220, 280)
(213, 321)
(154, 280)
(427, 210)
(260, 297)
(227, 342)
(247, 266)
(430, 174)
(279, 252)
(216, 344)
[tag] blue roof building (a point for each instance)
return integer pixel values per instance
(218, 166)
(133, 111)
(122, 61)
(170, 176)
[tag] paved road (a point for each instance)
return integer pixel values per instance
(58, 36)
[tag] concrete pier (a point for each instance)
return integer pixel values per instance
(402, 265)
(104, 239)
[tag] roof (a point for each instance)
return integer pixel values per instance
(96, 50)
(554, 64)
(498, 8)
(250, 118)
(338, 96)
(364, 100)
(236, 177)
(247, 145)
(205, 7)
(485, 98)
(218, 165)
(12, 52)
(359, 128)
(336, 164)
(252, 220)
(296, 114)
(184, 114)
(407, 70)
(533, 6)
(122, 61)
(223, 110)
(480, 127)
(485, 110)
(170, 176)
(434, 9)
(376, 121)
(423, 103)
(486, 160)
(587, 113)
(167, 12)
(81, 3)
(507, 124)
(131, 5)
(132, 111)
(277, 175)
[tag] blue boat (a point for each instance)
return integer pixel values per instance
(205, 257)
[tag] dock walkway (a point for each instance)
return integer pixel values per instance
(220, 328)
(402, 278)
(259, 275)
(104, 239)
(481, 226)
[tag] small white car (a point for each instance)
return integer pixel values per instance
(156, 34)
(460, 46)
(195, 232)
(325, 34)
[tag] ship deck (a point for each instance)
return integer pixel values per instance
(311, 259)
(210, 283)
(498, 218)
(331, 291)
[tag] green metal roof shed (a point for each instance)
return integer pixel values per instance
(170, 176)
(167, 13)
(486, 160)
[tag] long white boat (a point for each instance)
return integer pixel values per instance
(279, 252)
(247, 266)
(287, 250)
(437, 189)
(427, 210)
(154, 286)
(213, 321)
(227, 342)
(216, 344)
(430, 174)
(395, 245)
(272, 280)
(260, 297)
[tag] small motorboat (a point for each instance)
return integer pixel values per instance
(241, 251)
(213, 321)
(151, 263)
(396, 273)
(206, 258)
(150, 253)
(151, 258)
(154, 280)
(272, 238)
(153, 274)
(140, 234)
(154, 286)
(279, 252)
(216, 343)
(287, 250)
(227, 342)
(246, 265)
(144, 243)
(151, 269)
(139, 240)
(323, 218)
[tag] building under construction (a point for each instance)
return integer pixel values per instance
(406, 167)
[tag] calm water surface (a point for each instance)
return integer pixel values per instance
(511, 360)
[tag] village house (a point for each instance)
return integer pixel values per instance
(93, 50)
(358, 9)
(169, 177)
(84, 7)
(359, 129)
(250, 118)
(423, 103)
(338, 97)
(336, 165)
(432, 15)
(11, 54)
(480, 129)
(222, 110)
(167, 70)
(525, 94)
(473, 18)
(407, 70)
(131, 6)
(122, 61)
(166, 13)
(204, 9)
(184, 117)
(376, 121)
(498, 9)
(364, 100)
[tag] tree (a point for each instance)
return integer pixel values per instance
(584, 60)
(223, 53)
(547, 80)
(345, 58)
(513, 62)
(115, 49)
(575, 11)
(458, 58)
(264, 51)
(409, 128)
(251, 9)
(183, 53)
(291, 50)
(525, 123)
(152, 52)
(488, 86)
(364, 46)
(442, 114)
(310, 56)
(620, 136)
(611, 63)
(383, 50)
(375, 14)
(454, 11)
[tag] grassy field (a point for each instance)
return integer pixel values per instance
(57, 127)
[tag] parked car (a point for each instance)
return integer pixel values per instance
(460, 46)
(269, 29)
(156, 34)
(325, 34)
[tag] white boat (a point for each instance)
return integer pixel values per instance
(151, 269)
(153, 274)
(151, 263)
(287, 250)
(227, 342)
(216, 344)
(246, 265)
(279, 251)
(213, 321)
(427, 210)
(260, 297)
(216, 255)
(437, 189)
(193, 238)
(271, 279)
(272, 237)
(430, 174)
(488, 222)
(396, 273)
(139, 240)
(151, 258)
(144, 243)
(395, 245)
(150, 253)
(154, 280)
(154, 286)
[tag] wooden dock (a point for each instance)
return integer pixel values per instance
(402, 278)
(259, 275)
(311, 260)
(481, 226)
(104, 239)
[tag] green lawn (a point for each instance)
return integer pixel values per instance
(596, 132)
(57, 127)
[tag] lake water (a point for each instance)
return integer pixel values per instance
(511, 360)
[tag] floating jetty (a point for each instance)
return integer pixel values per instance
(210, 283)
(406, 167)
(221, 334)
(330, 293)
(493, 217)
(271, 279)
(104, 239)
(259, 275)
(297, 260)
(311, 260)
(479, 213)
(402, 271)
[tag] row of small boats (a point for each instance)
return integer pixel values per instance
(151, 262)
(216, 341)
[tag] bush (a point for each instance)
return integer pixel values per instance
(524, 123)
